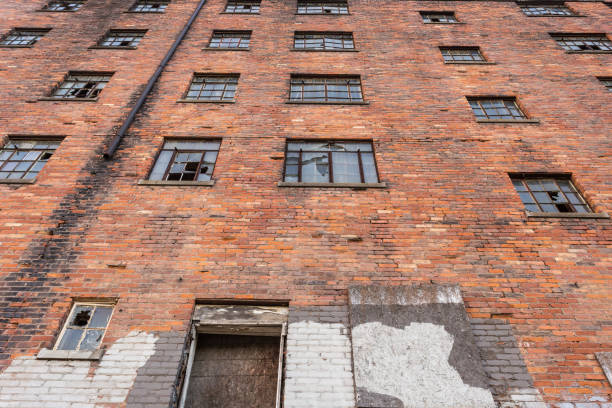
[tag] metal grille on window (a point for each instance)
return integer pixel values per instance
(323, 41)
(242, 7)
(576, 42)
(212, 88)
(186, 160)
(81, 86)
(122, 39)
(462, 54)
(439, 17)
(326, 89)
(150, 6)
(496, 109)
(548, 194)
(68, 5)
(24, 159)
(21, 37)
(543, 10)
(607, 82)
(85, 327)
(330, 162)
(322, 7)
(230, 39)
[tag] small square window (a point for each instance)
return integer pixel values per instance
(549, 193)
(322, 7)
(607, 82)
(85, 327)
(328, 161)
(439, 17)
(82, 85)
(22, 159)
(64, 5)
(496, 108)
(325, 89)
(462, 55)
(584, 42)
(150, 6)
(547, 10)
(323, 41)
(242, 7)
(23, 37)
(186, 160)
(212, 87)
(231, 40)
(122, 38)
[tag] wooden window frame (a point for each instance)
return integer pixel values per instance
(23, 31)
(424, 14)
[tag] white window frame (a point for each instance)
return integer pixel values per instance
(67, 322)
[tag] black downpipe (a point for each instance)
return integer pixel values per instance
(141, 100)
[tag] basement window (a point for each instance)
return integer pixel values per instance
(323, 41)
(242, 7)
(81, 85)
(462, 55)
(212, 88)
(607, 82)
(64, 5)
(233, 40)
(186, 160)
(322, 7)
(439, 17)
(150, 6)
(583, 42)
(23, 37)
(122, 38)
(549, 193)
(85, 327)
(547, 10)
(496, 109)
(325, 89)
(24, 159)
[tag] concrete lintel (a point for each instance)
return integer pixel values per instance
(404, 295)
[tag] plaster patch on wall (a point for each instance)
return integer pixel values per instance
(412, 366)
(29, 382)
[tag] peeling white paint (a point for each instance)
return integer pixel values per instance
(411, 364)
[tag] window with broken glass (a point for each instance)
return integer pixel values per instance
(230, 40)
(439, 17)
(323, 41)
(583, 42)
(186, 160)
(212, 88)
(64, 5)
(23, 37)
(122, 38)
(322, 7)
(24, 159)
(550, 194)
(542, 10)
(462, 54)
(150, 6)
(85, 327)
(330, 162)
(242, 7)
(81, 86)
(320, 89)
(496, 109)
(607, 82)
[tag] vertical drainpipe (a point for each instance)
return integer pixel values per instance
(108, 154)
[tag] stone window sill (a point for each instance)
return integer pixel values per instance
(50, 98)
(56, 11)
(588, 52)
(106, 47)
(240, 14)
(200, 101)
(46, 354)
(209, 183)
(470, 63)
(326, 103)
(563, 15)
(144, 12)
(431, 22)
(532, 121)
(566, 215)
(16, 46)
(323, 14)
(310, 50)
(17, 181)
(224, 49)
(333, 185)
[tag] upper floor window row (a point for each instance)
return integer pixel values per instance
(81, 85)
(547, 10)
(325, 89)
(322, 7)
(439, 17)
(23, 37)
(64, 5)
(323, 41)
(243, 6)
(583, 42)
(23, 159)
(121, 39)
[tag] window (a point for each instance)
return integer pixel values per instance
(122, 38)
(464, 55)
(330, 162)
(543, 10)
(212, 88)
(325, 89)
(23, 37)
(64, 5)
(233, 40)
(86, 85)
(322, 7)
(323, 41)
(493, 108)
(583, 42)
(439, 17)
(242, 7)
(150, 6)
(549, 193)
(607, 82)
(186, 160)
(24, 159)
(85, 326)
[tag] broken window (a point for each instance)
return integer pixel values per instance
(212, 87)
(150, 6)
(186, 160)
(439, 17)
(85, 326)
(323, 41)
(235, 357)
(607, 82)
(64, 5)
(502, 108)
(330, 162)
(23, 37)
(242, 7)
(87, 85)
(322, 7)
(583, 42)
(314, 88)
(549, 193)
(543, 10)
(230, 39)
(24, 159)
(122, 38)
(462, 54)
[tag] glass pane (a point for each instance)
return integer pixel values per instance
(315, 168)
(542, 197)
(101, 316)
(81, 315)
(518, 184)
(161, 165)
(70, 339)
(369, 168)
(92, 340)
(526, 198)
(346, 167)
